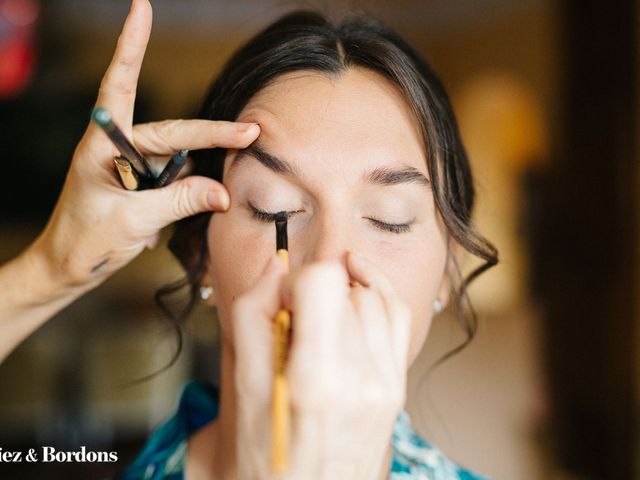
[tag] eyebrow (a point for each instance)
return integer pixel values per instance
(384, 176)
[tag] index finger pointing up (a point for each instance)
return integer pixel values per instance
(118, 87)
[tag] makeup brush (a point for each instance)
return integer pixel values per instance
(280, 395)
(128, 175)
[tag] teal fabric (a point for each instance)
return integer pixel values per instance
(164, 454)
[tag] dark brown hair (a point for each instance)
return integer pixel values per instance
(305, 40)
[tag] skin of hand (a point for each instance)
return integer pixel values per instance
(351, 347)
(346, 369)
(97, 226)
(96, 220)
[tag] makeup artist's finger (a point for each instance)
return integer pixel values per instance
(170, 136)
(252, 315)
(153, 241)
(183, 198)
(318, 301)
(262, 300)
(374, 327)
(317, 291)
(118, 87)
(368, 275)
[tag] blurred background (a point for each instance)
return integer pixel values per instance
(546, 96)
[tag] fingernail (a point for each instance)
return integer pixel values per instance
(217, 200)
(249, 128)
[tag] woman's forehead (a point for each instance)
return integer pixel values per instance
(355, 113)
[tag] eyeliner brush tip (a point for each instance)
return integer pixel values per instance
(281, 231)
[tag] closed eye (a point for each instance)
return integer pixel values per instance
(268, 216)
(391, 227)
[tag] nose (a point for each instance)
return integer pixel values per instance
(327, 239)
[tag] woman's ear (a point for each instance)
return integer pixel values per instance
(455, 252)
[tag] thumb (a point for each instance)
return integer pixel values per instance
(252, 315)
(181, 199)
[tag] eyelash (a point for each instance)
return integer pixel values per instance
(396, 228)
(267, 216)
(391, 227)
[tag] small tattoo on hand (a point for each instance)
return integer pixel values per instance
(97, 267)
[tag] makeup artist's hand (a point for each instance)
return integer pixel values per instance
(346, 370)
(97, 226)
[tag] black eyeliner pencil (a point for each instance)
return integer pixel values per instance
(102, 117)
(172, 169)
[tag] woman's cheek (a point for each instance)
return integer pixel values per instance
(236, 257)
(416, 278)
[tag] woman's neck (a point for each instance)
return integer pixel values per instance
(212, 450)
(225, 439)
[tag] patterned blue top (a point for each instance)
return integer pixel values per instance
(165, 453)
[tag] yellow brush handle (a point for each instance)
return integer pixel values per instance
(284, 255)
(280, 396)
(280, 414)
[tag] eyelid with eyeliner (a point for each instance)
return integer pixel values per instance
(269, 216)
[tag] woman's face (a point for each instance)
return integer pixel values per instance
(346, 154)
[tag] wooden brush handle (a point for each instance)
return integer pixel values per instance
(280, 396)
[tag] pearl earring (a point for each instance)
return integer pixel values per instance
(206, 292)
(437, 305)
